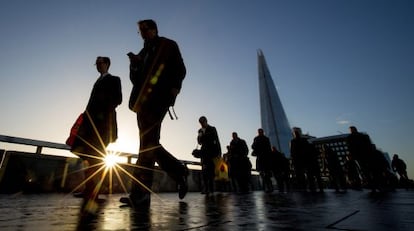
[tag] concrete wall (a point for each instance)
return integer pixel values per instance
(40, 173)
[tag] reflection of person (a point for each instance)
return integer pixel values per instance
(156, 72)
(99, 127)
(262, 150)
(210, 149)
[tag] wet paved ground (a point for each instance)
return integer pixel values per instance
(354, 210)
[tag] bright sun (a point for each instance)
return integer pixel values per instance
(110, 160)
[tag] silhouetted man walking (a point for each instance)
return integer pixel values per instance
(156, 73)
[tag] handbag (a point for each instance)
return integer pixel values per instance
(74, 130)
(221, 169)
(197, 153)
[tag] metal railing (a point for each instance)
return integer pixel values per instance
(39, 144)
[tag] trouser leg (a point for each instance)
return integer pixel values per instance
(208, 176)
(149, 131)
(300, 178)
(174, 168)
(143, 173)
(151, 151)
(93, 173)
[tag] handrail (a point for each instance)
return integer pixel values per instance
(38, 143)
(45, 144)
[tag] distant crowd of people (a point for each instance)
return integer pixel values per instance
(310, 167)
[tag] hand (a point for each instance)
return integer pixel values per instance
(133, 58)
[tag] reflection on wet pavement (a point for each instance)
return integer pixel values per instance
(355, 210)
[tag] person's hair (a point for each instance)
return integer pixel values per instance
(297, 131)
(353, 129)
(202, 119)
(151, 24)
(104, 59)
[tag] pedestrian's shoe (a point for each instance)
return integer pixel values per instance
(137, 201)
(78, 194)
(100, 201)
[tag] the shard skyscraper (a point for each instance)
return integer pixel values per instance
(273, 116)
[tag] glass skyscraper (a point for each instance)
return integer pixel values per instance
(273, 116)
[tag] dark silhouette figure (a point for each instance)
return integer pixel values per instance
(262, 150)
(361, 150)
(280, 167)
(305, 160)
(336, 171)
(210, 149)
(232, 173)
(382, 177)
(399, 166)
(156, 73)
(240, 163)
(98, 129)
(353, 172)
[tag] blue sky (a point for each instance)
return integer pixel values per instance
(335, 64)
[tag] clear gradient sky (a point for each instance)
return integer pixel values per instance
(335, 64)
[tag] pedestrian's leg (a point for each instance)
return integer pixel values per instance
(143, 171)
(92, 186)
(174, 168)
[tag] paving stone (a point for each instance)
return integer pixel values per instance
(354, 210)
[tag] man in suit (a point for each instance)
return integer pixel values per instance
(263, 150)
(98, 129)
(156, 73)
(240, 163)
(210, 149)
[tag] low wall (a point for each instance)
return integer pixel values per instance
(42, 173)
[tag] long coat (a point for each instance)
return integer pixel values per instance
(262, 150)
(158, 69)
(99, 126)
(209, 141)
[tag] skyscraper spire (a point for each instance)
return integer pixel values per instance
(273, 116)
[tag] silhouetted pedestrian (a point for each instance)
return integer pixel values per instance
(314, 169)
(98, 129)
(156, 73)
(399, 166)
(241, 165)
(298, 150)
(262, 151)
(305, 160)
(336, 171)
(353, 172)
(232, 174)
(383, 179)
(360, 148)
(210, 149)
(280, 167)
